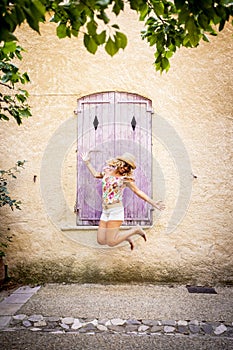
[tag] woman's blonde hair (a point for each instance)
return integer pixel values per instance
(117, 163)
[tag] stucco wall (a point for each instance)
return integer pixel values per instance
(192, 132)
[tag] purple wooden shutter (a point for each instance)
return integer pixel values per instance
(110, 124)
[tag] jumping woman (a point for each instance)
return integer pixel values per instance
(117, 175)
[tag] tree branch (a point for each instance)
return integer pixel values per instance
(9, 87)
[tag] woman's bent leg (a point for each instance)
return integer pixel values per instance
(101, 233)
(114, 237)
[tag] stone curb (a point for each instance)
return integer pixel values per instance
(54, 324)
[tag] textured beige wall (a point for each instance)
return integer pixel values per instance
(195, 100)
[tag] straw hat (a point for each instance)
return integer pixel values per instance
(128, 158)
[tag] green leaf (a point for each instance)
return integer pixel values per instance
(39, 6)
(111, 47)
(144, 10)
(190, 25)
(25, 77)
(9, 46)
(103, 16)
(61, 31)
(179, 4)
(159, 8)
(5, 35)
(221, 25)
(168, 54)
(121, 40)
(100, 38)
(19, 14)
(32, 18)
(152, 39)
(91, 27)
(118, 6)
(165, 64)
(186, 40)
(203, 21)
(183, 15)
(3, 116)
(194, 39)
(115, 26)
(25, 112)
(90, 43)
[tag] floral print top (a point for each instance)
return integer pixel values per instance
(112, 186)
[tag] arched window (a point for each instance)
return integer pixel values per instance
(109, 124)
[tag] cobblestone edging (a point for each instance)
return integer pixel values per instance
(55, 324)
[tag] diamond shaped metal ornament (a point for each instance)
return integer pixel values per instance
(96, 123)
(133, 123)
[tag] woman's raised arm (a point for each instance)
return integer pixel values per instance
(158, 205)
(86, 158)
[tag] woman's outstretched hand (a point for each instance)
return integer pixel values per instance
(158, 205)
(85, 156)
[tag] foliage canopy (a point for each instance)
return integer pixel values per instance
(168, 25)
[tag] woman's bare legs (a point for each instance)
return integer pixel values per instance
(108, 233)
(101, 234)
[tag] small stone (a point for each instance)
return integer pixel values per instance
(194, 322)
(89, 327)
(35, 329)
(76, 324)
(118, 329)
(156, 323)
(103, 321)
(183, 329)
(169, 329)
(53, 325)
(102, 328)
(27, 323)
(52, 319)
(133, 322)
(182, 323)
(20, 317)
(143, 328)
(83, 330)
(117, 322)
(35, 318)
(94, 322)
(13, 322)
(207, 328)
(4, 321)
(169, 323)
(57, 332)
(194, 329)
(156, 329)
(220, 329)
(64, 326)
(68, 320)
(147, 322)
(230, 331)
(131, 328)
(108, 323)
(40, 324)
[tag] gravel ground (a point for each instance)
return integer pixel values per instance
(28, 340)
(130, 301)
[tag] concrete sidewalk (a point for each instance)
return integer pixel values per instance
(118, 311)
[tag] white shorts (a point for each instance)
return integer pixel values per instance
(116, 214)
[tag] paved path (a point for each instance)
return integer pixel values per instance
(116, 316)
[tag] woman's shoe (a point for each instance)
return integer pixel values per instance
(142, 233)
(131, 244)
